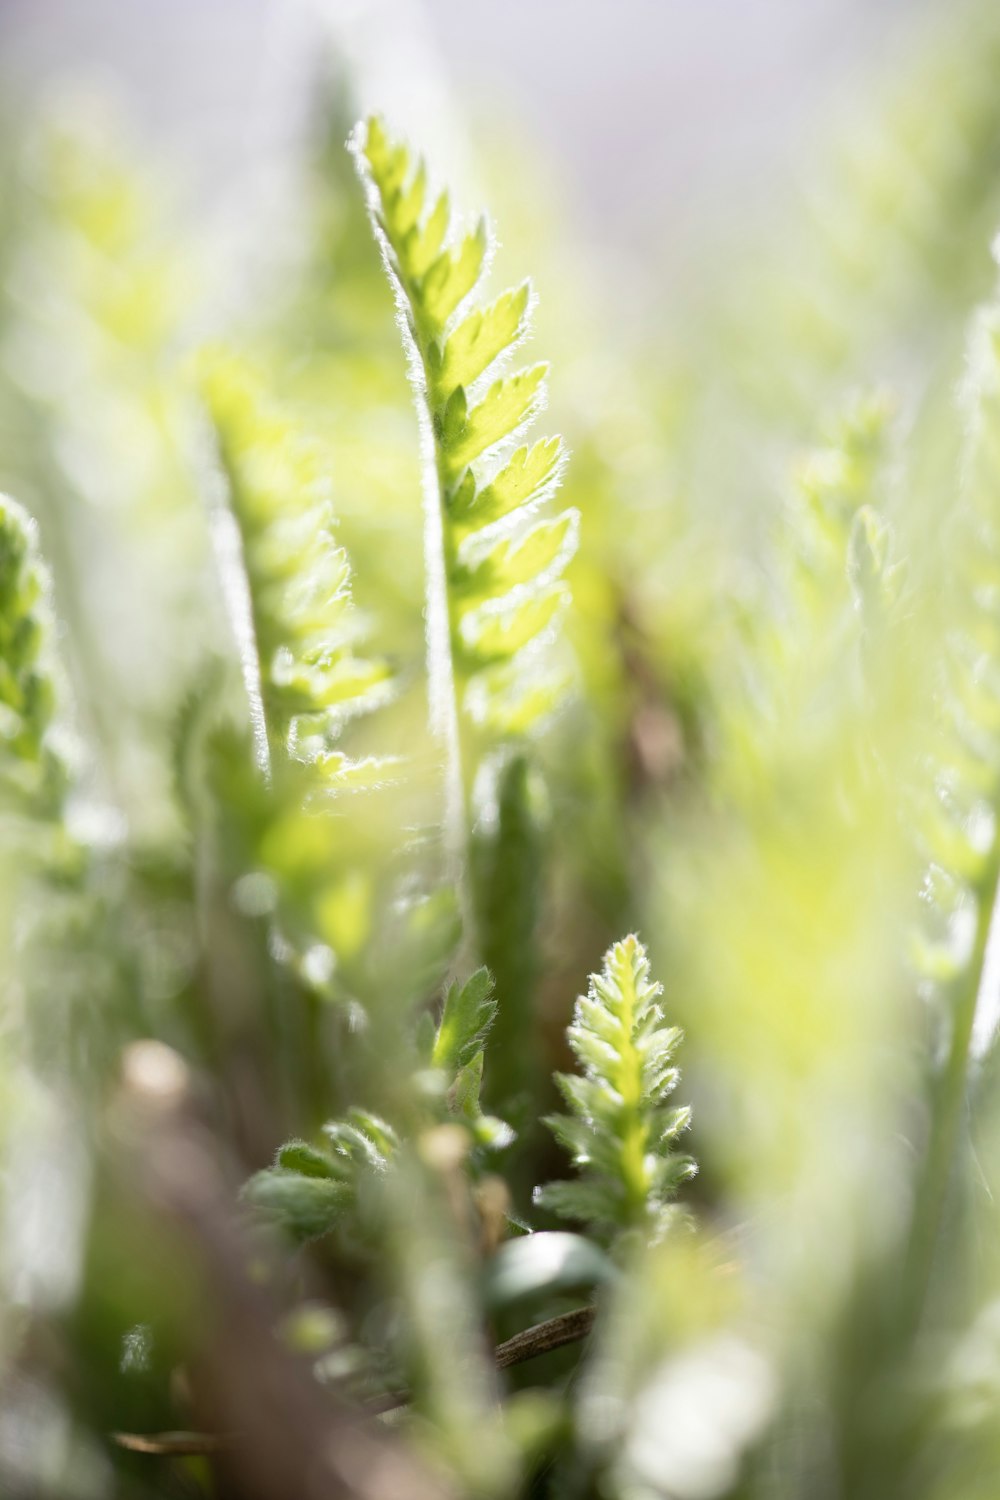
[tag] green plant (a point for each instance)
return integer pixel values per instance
(293, 941)
(33, 773)
(491, 592)
(619, 1132)
(303, 677)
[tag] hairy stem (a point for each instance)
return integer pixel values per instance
(949, 1100)
(443, 689)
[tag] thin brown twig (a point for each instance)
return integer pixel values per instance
(554, 1333)
(567, 1328)
(174, 1444)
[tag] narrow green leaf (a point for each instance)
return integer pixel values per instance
(481, 338)
(468, 1013)
(452, 277)
(529, 475)
(507, 405)
(421, 246)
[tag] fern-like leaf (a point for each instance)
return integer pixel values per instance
(304, 675)
(68, 938)
(619, 1130)
(468, 1014)
(495, 586)
(31, 773)
(457, 1050)
(955, 813)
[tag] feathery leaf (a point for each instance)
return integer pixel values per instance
(619, 1131)
(31, 773)
(493, 594)
(303, 663)
(468, 1014)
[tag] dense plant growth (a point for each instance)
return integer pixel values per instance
(424, 841)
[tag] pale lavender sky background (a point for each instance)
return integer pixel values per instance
(638, 103)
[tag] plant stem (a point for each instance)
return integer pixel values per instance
(949, 1100)
(173, 1444)
(440, 656)
(542, 1338)
(554, 1333)
(218, 482)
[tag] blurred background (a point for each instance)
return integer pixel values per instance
(658, 118)
(745, 219)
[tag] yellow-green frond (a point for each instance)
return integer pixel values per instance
(501, 580)
(312, 677)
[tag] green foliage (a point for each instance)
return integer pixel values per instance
(242, 916)
(303, 665)
(619, 1131)
(32, 774)
(469, 1012)
(99, 292)
(432, 1262)
(509, 880)
(67, 947)
(310, 1191)
(961, 762)
(956, 809)
(458, 1052)
(495, 587)
(799, 673)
